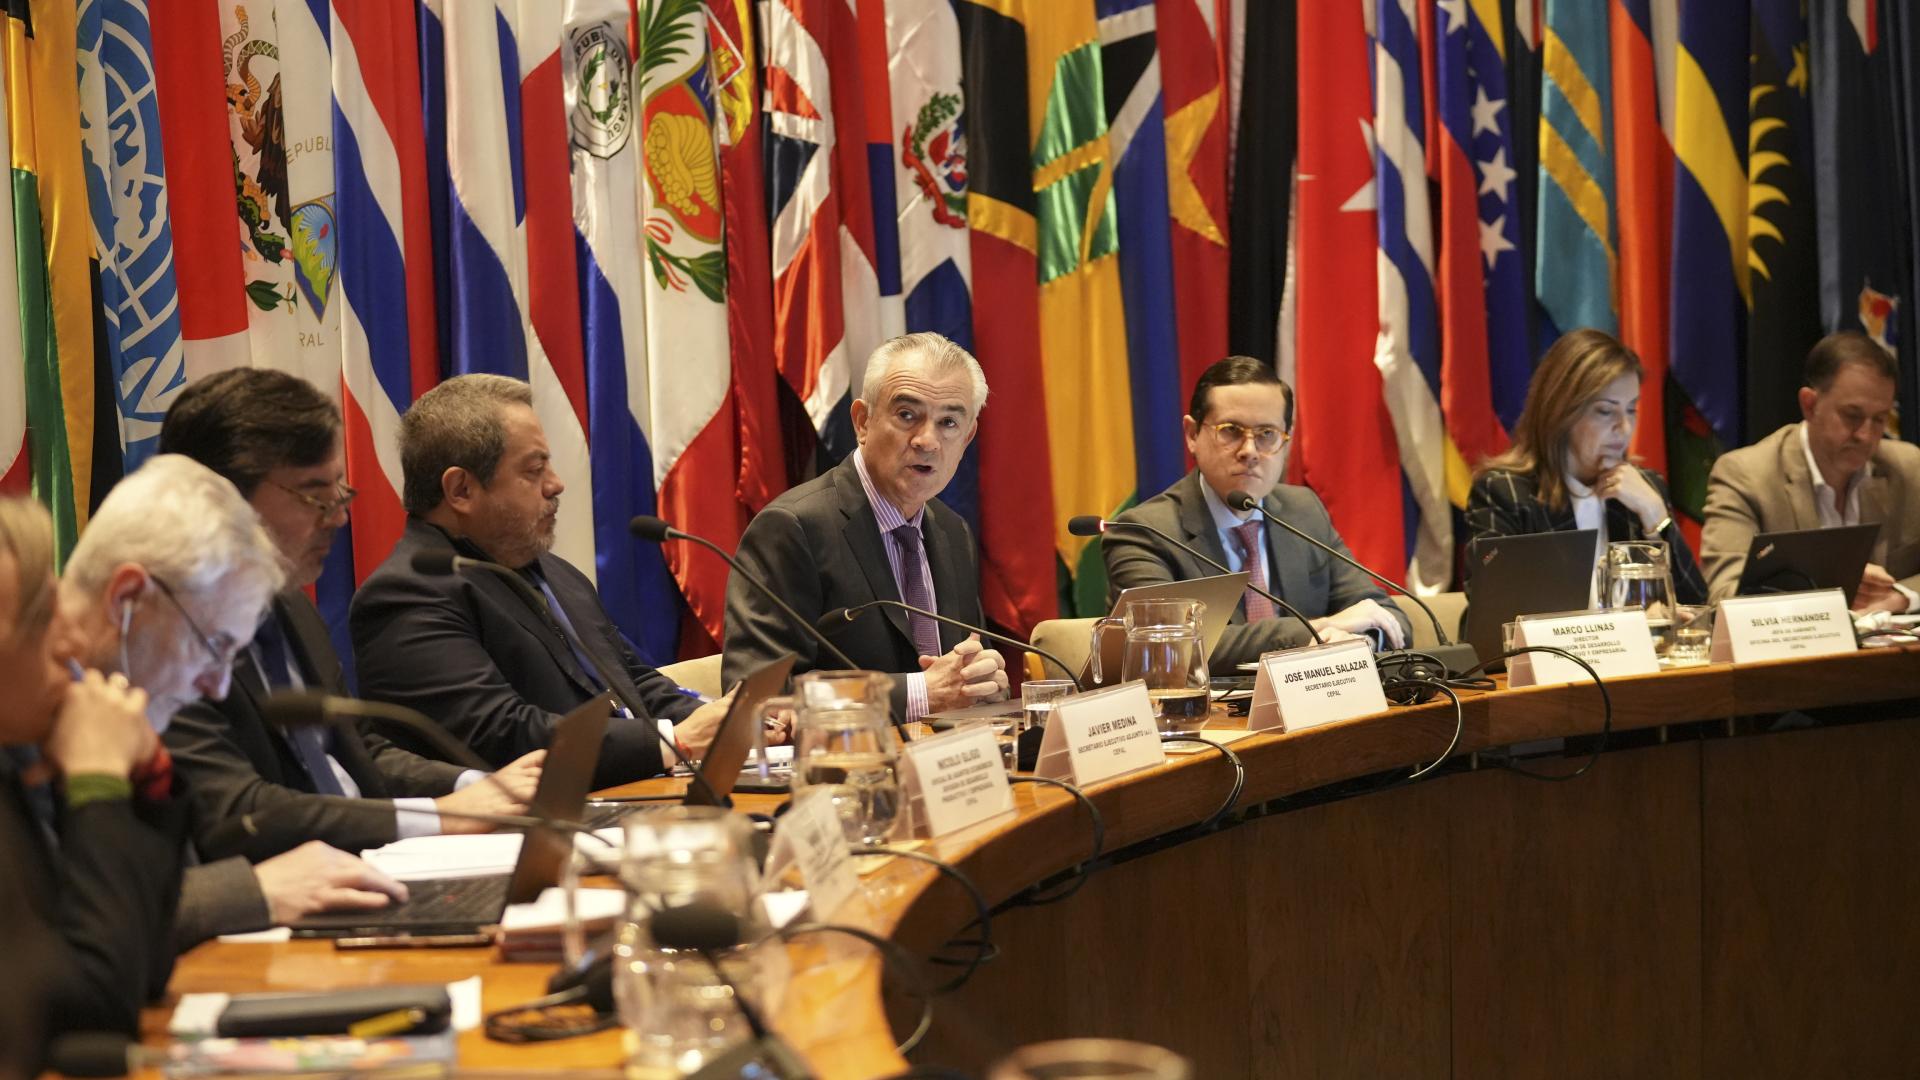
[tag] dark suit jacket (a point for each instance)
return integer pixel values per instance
(107, 894)
(819, 546)
(1767, 487)
(238, 765)
(1504, 503)
(469, 651)
(1304, 576)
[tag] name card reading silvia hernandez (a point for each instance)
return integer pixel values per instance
(1100, 735)
(1296, 689)
(957, 779)
(1780, 626)
(1615, 642)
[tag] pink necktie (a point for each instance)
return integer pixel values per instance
(1258, 607)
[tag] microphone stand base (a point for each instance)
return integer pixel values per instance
(769, 1057)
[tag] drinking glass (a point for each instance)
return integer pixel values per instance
(1037, 697)
(1091, 1059)
(1692, 634)
(1639, 575)
(844, 742)
(1004, 735)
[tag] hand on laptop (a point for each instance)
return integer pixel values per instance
(969, 674)
(1361, 617)
(1876, 592)
(510, 795)
(695, 733)
(314, 877)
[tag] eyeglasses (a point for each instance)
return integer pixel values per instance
(222, 656)
(1266, 440)
(326, 508)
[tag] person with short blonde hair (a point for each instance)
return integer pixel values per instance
(1570, 467)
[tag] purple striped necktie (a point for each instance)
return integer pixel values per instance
(1248, 534)
(913, 589)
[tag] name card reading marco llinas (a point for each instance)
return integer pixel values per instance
(1317, 684)
(1782, 626)
(956, 779)
(1100, 735)
(1615, 642)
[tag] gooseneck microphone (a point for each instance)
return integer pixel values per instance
(656, 530)
(1089, 525)
(844, 615)
(1455, 657)
(315, 708)
(438, 562)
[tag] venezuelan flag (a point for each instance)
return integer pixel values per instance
(75, 456)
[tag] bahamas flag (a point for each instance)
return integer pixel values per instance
(1710, 214)
(73, 430)
(1574, 278)
(1083, 333)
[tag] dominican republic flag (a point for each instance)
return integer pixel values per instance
(1407, 351)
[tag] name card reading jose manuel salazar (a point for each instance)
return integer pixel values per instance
(1615, 642)
(1100, 735)
(957, 779)
(1783, 626)
(1301, 688)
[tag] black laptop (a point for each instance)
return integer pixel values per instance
(462, 905)
(1806, 559)
(1525, 574)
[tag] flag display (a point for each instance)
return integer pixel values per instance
(688, 223)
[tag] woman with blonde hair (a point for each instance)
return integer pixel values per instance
(1568, 467)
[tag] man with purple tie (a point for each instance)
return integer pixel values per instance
(1238, 426)
(870, 529)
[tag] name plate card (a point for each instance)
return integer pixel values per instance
(1295, 689)
(1615, 642)
(1101, 734)
(957, 779)
(810, 829)
(1783, 626)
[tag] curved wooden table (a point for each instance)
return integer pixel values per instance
(1711, 899)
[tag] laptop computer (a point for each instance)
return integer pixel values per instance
(1221, 593)
(1803, 559)
(464, 904)
(1525, 574)
(726, 756)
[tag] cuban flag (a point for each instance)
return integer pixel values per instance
(1407, 349)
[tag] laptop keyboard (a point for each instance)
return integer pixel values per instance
(475, 901)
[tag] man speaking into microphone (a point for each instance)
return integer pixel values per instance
(870, 529)
(1238, 426)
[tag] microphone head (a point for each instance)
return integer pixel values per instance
(1240, 500)
(91, 1053)
(648, 527)
(701, 925)
(833, 619)
(434, 562)
(1086, 525)
(295, 708)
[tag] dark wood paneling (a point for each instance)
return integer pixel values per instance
(1812, 941)
(1347, 938)
(1576, 920)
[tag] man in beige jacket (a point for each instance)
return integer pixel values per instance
(1831, 469)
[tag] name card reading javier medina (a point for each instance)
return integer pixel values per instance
(1100, 735)
(1780, 626)
(1301, 688)
(957, 779)
(1615, 642)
